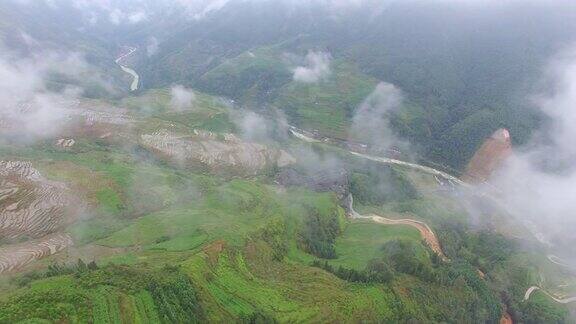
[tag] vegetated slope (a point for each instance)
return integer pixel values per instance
(460, 83)
(264, 77)
(465, 83)
(244, 276)
(243, 247)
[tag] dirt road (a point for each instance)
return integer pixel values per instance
(556, 260)
(425, 231)
(558, 300)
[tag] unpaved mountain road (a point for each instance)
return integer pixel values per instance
(558, 300)
(556, 260)
(425, 231)
(427, 234)
(485, 191)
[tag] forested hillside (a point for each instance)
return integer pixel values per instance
(287, 161)
(468, 67)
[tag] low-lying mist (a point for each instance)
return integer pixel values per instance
(538, 183)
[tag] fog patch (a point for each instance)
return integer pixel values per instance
(199, 9)
(29, 108)
(152, 46)
(316, 68)
(182, 98)
(118, 17)
(254, 127)
(371, 123)
(538, 182)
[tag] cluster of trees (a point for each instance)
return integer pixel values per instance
(375, 272)
(483, 249)
(257, 318)
(398, 256)
(401, 255)
(319, 232)
(275, 235)
(457, 279)
(176, 299)
(494, 254)
(56, 269)
(378, 185)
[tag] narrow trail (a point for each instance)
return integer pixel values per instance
(425, 230)
(135, 77)
(556, 260)
(558, 300)
(563, 300)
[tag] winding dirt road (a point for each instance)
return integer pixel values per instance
(425, 231)
(558, 300)
(556, 260)
(427, 234)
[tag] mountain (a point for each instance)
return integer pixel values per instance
(259, 161)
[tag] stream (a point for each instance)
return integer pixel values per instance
(135, 77)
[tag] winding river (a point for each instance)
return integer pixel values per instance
(135, 77)
(302, 136)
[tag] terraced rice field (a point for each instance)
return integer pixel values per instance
(16, 256)
(208, 149)
(30, 205)
(31, 208)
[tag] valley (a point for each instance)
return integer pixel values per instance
(286, 162)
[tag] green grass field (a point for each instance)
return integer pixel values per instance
(326, 106)
(362, 241)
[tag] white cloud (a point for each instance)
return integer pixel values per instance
(182, 98)
(116, 16)
(317, 67)
(152, 46)
(198, 9)
(27, 109)
(370, 124)
(137, 17)
(538, 183)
